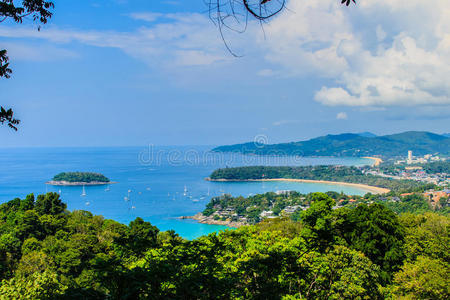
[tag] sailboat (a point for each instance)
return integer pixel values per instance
(84, 192)
(107, 188)
(185, 191)
(59, 192)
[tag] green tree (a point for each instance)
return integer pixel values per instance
(46, 285)
(425, 278)
(375, 231)
(49, 203)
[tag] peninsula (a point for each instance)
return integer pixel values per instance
(357, 177)
(79, 178)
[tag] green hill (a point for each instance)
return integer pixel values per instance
(352, 145)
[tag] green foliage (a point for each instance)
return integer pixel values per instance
(410, 204)
(85, 177)
(44, 285)
(375, 231)
(366, 252)
(425, 278)
(327, 173)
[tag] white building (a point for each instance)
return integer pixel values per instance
(410, 157)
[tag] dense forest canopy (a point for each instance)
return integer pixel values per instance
(367, 252)
(86, 177)
(352, 145)
(327, 173)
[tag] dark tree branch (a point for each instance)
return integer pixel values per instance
(39, 10)
(220, 11)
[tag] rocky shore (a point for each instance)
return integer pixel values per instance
(201, 218)
(52, 182)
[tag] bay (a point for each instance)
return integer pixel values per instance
(151, 180)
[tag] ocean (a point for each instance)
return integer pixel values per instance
(151, 181)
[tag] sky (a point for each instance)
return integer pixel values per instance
(138, 72)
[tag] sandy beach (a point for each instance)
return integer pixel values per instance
(369, 188)
(377, 160)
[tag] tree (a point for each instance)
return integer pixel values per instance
(49, 203)
(425, 278)
(375, 231)
(39, 11)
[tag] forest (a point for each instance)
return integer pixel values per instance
(327, 173)
(364, 252)
(80, 177)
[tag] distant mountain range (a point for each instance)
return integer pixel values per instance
(352, 145)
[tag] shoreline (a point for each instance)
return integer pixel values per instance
(377, 160)
(369, 188)
(200, 218)
(67, 183)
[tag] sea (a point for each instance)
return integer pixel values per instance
(156, 183)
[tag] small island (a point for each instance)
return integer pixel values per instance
(79, 178)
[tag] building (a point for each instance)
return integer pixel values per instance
(410, 157)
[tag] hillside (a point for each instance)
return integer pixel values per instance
(352, 145)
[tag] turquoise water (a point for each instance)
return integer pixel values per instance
(152, 177)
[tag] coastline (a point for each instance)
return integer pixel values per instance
(200, 218)
(369, 188)
(377, 160)
(67, 183)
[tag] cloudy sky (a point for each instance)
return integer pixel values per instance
(134, 72)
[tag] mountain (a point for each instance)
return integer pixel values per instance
(366, 134)
(353, 145)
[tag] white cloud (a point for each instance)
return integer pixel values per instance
(284, 122)
(187, 40)
(378, 53)
(146, 16)
(342, 116)
(407, 65)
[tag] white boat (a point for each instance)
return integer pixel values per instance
(59, 192)
(87, 203)
(83, 193)
(185, 191)
(107, 189)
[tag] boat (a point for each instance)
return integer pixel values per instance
(83, 193)
(59, 192)
(195, 200)
(107, 189)
(185, 191)
(87, 203)
(126, 198)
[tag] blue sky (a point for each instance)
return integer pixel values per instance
(122, 73)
